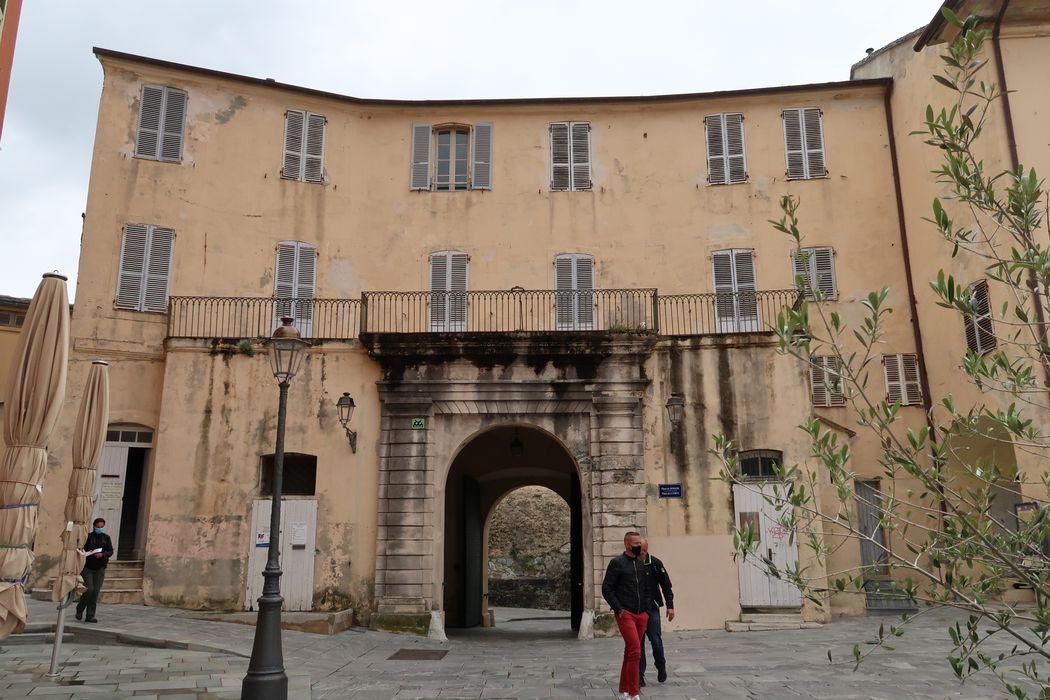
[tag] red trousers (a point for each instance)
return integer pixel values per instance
(632, 627)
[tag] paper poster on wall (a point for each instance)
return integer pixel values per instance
(111, 495)
(262, 538)
(298, 534)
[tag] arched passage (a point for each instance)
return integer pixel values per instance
(489, 466)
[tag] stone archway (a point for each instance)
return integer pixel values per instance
(484, 471)
(437, 395)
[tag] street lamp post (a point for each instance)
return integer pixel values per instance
(266, 679)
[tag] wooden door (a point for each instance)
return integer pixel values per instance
(109, 488)
(757, 589)
(298, 539)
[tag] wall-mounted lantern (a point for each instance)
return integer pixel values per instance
(346, 411)
(675, 409)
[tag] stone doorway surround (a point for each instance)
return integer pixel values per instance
(438, 392)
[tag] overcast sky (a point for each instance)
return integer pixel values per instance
(401, 49)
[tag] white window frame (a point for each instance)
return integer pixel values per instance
(158, 149)
(736, 309)
(978, 329)
(575, 168)
(579, 303)
(302, 173)
(449, 312)
(302, 309)
(826, 387)
(726, 156)
(806, 148)
(907, 391)
(811, 277)
(142, 274)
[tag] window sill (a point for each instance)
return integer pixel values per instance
(140, 311)
(177, 161)
(825, 176)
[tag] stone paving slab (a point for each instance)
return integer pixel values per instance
(521, 659)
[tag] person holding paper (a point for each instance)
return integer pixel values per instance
(97, 550)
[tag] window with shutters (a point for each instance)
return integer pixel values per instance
(162, 121)
(574, 291)
(814, 269)
(570, 156)
(451, 157)
(295, 285)
(726, 160)
(736, 300)
(304, 139)
(902, 379)
(825, 381)
(980, 335)
(145, 268)
(804, 143)
(448, 291)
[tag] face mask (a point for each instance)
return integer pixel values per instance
(99, 530)
(636, 550)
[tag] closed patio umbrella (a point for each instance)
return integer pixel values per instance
(36, 390)
(89, 436)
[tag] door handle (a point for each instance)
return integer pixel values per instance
(769, 553)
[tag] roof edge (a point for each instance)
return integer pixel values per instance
(883, 49)
(936, 24)
(269, 82)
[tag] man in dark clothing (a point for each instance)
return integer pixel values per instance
(628, 592)
(94, 568)
(660, 594)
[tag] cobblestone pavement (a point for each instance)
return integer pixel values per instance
(533, 658)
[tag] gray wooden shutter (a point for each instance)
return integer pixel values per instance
(735, 157)
(716, 155)
(980, 335)
(439, 291)
(826, 382)
(794, 150)
(822, 264)
(564, 297)
(284, 280)
(305, 287)
(173, 124)
(158, 269)
(725, 290)
(457, 302)
(294, 122)
(151, 105)
(420, 157)
(584, 291)
(132, 266)
(902, 379)
(814, 131)
(482, 157)
(800, 271)
(746, 289)
(561, 179)
(313, 152)
(581, 155)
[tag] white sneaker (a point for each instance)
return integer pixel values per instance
(636, 697)
(623, 696)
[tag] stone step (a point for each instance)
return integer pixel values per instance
(36, 638)
(122, 581)
(109, 596)
(791, 618)
(740, 626)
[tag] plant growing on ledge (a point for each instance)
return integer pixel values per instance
(937, 535)
(245, 347)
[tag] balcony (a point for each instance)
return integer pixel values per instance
(637, 311)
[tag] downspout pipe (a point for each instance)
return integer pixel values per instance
(920, 353)
(1015, 163)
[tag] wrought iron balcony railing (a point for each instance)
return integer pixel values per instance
(257, 317)
(723, 312)
(511, 311)
(515, 310)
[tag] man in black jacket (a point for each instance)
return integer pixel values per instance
(628, 592)
(94, 568)
(661, 593)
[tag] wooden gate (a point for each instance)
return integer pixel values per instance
(757, 589)
(298, 538)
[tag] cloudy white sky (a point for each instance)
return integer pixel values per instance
(403, 49)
